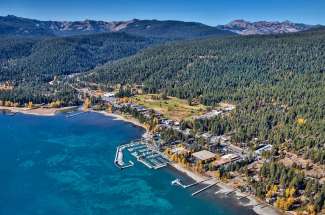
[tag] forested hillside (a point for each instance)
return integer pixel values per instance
(173, 29)
(24, 60)
(277, 82)
(28, 65)
(18, 26)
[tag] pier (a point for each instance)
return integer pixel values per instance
(243, 197)
(75, 114)
(118, 161)
(204, 188)
(178, 181)
(233, 191)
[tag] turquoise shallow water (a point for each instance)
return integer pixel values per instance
(55, 165)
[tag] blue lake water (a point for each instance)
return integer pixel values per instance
(57, 165)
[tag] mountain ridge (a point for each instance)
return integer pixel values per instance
(243, 27)
(17, 26)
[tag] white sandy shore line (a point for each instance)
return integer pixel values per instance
(224, 188)
(122, 118)
(36, 111)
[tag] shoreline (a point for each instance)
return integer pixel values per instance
(224, 188)
(122, 118)
(41, 111)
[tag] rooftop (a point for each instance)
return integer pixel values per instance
(230, 157)
(204, 155)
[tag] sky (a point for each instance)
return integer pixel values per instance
(211, 12)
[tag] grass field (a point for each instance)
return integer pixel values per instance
(172, 108)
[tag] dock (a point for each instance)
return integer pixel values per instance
(233, 191)
(118, 161)
(146, 154)
(75, 114)
(178, 181)
(203, 189)
(243, 197)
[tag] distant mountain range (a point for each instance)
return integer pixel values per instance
(263, 27)
(16, 26)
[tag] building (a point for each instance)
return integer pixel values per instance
(210, 114)
(227, 159)
(180, 150)
(262, 149)
(204, 156)
(109, 97)
(207, 135)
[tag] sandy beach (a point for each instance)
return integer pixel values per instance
(122, 118)
(224, 189)
(36, 111)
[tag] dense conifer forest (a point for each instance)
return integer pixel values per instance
(26, 59)
(30, 64)
(277, 83)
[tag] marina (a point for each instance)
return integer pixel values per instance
(144, 153)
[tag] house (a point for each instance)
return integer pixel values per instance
(262, 149)
(109, 97)
(206, 135)
(227, 159)
(140, 108)
(204, 156)
(231, 157)
(179, 150)
(210, 114)
(214, 147)
(109, 94)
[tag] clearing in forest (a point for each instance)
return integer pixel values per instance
(171, 107)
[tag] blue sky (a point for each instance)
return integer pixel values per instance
(210, 12)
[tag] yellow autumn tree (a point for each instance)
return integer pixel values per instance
(311, 209)
(30, 105)
(153, 124)
(272, 191)
(301, 121)
(55, 104)
(109, 108)
(86, 104)
(9, 104)
(218, 174)
(284, 203)
(289, 192)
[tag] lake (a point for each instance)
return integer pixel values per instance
(58, 165)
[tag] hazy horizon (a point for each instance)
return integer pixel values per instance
(77, 20)
(208, 12)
